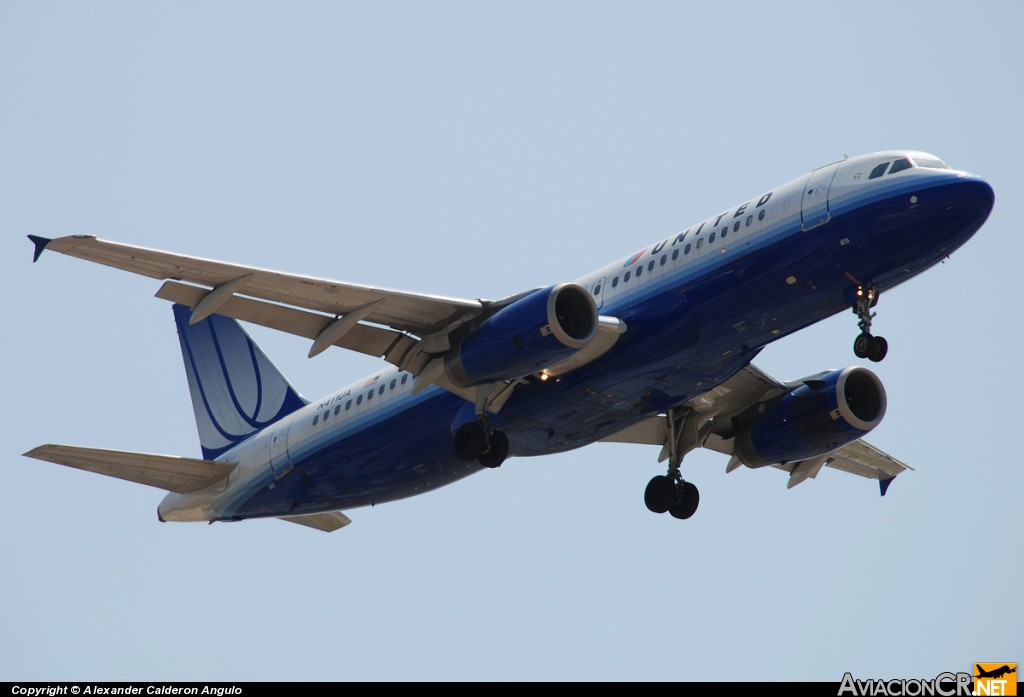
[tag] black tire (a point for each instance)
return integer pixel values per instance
(878, 349)
(497, 450)
(470, 441)
(862, 345)
(661, 494)
(689, 499)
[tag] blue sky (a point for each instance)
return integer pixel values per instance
(476, 150)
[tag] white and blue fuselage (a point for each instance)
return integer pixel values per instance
(697, 307)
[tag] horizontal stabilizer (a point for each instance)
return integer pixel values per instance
(177, 474)
(328, 522)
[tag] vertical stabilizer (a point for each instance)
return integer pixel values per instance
(236, 390)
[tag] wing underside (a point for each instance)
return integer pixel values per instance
(748, 388)
(400, 310)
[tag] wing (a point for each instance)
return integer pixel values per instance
(408, 330)
(327, 522)
(858, 457)
(178, 474)
(744, 390)
(328, 312)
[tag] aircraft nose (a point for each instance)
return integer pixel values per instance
(971, 204)
(981, 193)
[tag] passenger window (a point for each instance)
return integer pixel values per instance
(597, 289)
(359, 399)
(650, 267)
(639, 270)
(615, 282)
(700, 243)
(393, 383)
(675, 254)
(664, 258)
(326, 414)
(404, 378)
(711, 238)
(750, 219)
(878, 171)
(900, 165)
(760, 216)
(348, 405)
(316, 419)
(735, 227)
(687, 250)
(369, 395)
(626, 277)
(725, 231)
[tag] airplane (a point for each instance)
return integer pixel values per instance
(654, 348)
(995, 673)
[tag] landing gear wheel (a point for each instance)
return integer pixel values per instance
(862, 345)
(497, 450)
(661, 494)
(878, 348)
(470, 442)
(686, 506)
(865, 345)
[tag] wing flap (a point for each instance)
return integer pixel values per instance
(421, 314)
(178, 474)
(863, 459)
(373, 341)
(327, 522)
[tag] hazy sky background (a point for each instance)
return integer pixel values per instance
(476, 150)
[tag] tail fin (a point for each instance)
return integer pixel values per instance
(236, 390)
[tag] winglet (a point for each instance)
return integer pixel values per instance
(40, 243)
(883, 484)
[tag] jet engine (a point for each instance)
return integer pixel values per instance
(525, 337)
(825, 412)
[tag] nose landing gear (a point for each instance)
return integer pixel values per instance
(866, 345)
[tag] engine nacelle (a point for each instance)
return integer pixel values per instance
(525, 337)
(826, 412)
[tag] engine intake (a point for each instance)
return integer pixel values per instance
(824, 413)
(525, 337)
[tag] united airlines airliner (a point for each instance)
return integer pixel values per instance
(654, 348)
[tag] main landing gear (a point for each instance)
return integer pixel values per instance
(668, 493)
(477, 441)
(865, 345)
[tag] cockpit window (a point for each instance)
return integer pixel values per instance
(900, 165)
(930, 163)
(878, 171)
